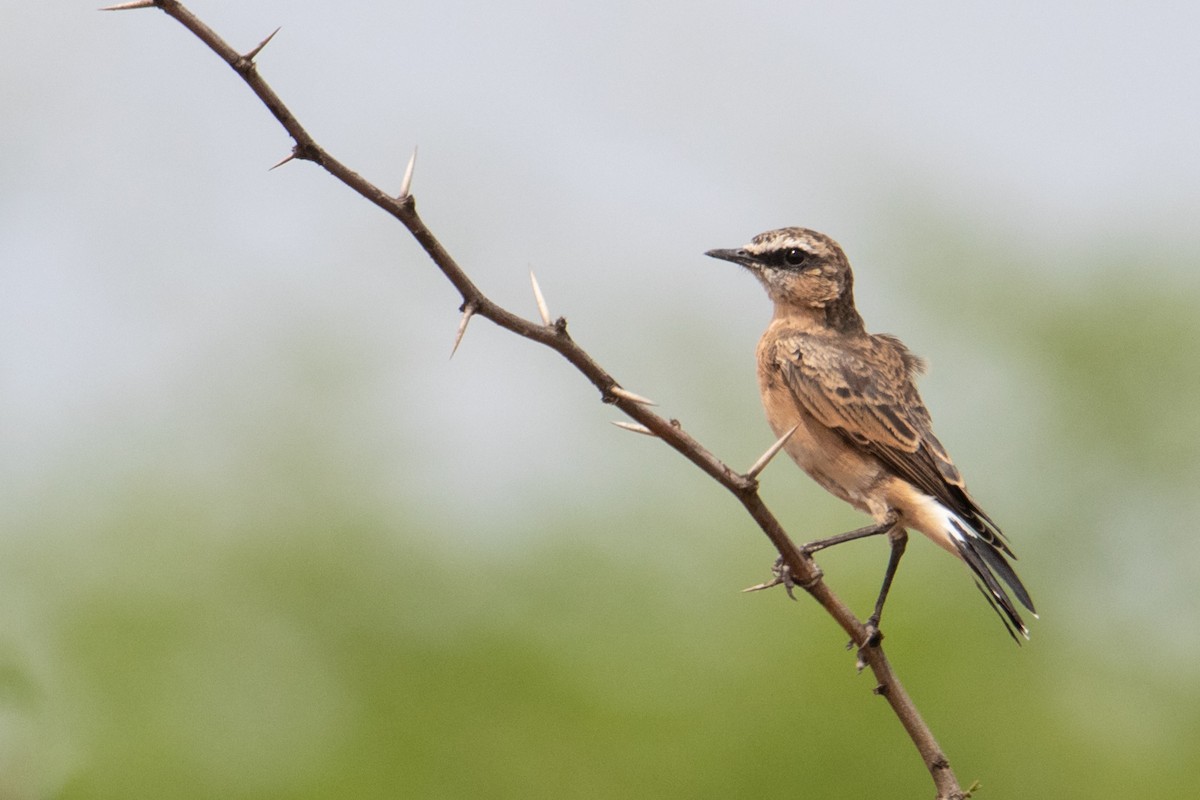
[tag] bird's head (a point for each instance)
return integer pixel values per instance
(801, 269)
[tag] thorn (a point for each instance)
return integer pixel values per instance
(772, 451)
(250, 56)
(761, 586)
(406, 184)
(543, 309)
(286, 159)
(468, 312)
(634, 427)
(782, 574)
(625, 394)
(130, 6)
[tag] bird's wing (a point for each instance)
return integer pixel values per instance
(866, 393)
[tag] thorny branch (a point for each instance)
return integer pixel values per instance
(799, 568)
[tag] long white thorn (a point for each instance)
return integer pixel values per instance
(130, 6)
(772, 451)
(250, 56)
(406, 184)
(468, 312)
(285, 159)
(543, 309)
(625, 394)
(761, 586)
(633, 427)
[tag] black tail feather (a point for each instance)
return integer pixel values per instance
(991, 602)
(987, 561)
(1000, 566)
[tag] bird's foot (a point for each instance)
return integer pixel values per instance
(874, 635)
(781, 573)
(872, 639)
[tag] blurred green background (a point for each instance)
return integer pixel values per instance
(259, 537)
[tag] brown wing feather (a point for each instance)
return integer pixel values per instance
(865, 391)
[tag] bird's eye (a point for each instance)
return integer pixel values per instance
(794, 256)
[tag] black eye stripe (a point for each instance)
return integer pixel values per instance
(786, 257)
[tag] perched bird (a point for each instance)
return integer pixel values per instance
(861, 429)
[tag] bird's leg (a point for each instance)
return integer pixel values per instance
(849, 536)
(781, 573)
(898, 538)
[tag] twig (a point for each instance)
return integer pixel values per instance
(800, 569)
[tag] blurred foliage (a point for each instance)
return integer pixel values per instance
(265, 627)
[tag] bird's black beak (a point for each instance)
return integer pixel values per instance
(739, 256)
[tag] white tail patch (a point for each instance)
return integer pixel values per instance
(937, 522)
(988, 564)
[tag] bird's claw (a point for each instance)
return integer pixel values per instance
(781, 573)
(872, 639)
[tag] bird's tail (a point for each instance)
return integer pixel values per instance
(982, 547)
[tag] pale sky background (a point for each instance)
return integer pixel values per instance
(155, 278)
(184, 331)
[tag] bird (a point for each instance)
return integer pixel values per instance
(861, 430)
